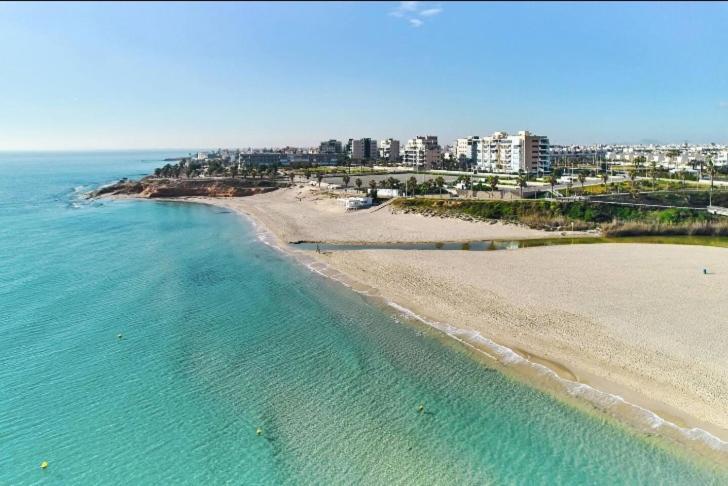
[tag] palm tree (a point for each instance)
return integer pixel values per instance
(372, 185)
(712, 170)
(551, 180)
(522, 182)
(605, 179)
(653, 173)
(439, 182)
(633, 177)
(233, 171)
(467, 182)
(319, 178)
(582, 180)
(291, 176)
(358, 183)
(412, 182)
(429, 184)
(493, 183)
(307, 173)
(346, 180)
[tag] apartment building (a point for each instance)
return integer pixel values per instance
(330, 147)
(465, 149)
(422, 151)
(505, 153)
(389, 150)
(362, 149)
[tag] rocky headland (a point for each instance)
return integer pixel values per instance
(150, 187)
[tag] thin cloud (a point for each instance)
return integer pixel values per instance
(429, 12)
(412, 11)
(404, 8)
(409, 6)
(723, 104)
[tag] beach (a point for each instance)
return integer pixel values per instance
(639, 321)
(305, 214)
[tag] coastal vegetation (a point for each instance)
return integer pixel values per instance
(192, 169)
(632, 186)
(691, 198)
(611, 219)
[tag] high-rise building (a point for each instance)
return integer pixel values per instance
(389, 150)
(422, 151)
(501, 152)
(330, 147)
(362, 149)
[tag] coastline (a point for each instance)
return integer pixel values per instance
(524, 357)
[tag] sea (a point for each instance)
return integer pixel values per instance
(165, 343)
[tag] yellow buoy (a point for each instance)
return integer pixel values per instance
(421, 408)
(44, 465)
(258, 431)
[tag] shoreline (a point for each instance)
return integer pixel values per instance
(566, 383)
(550, 376)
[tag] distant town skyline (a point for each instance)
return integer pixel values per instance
(150, 76)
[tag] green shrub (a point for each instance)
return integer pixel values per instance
(549, 214)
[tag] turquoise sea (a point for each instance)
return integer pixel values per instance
(223, 335)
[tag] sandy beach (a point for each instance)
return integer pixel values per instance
(639, 321)
(304, 214)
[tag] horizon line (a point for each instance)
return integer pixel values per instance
(210, 148)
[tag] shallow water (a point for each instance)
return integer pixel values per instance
(222, 334)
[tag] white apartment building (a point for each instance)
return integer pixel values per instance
(722, 158)
(389, 150)
(422, 151)
(466, 149)
(505, 153)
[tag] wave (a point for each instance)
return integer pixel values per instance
(606, 402)
(77, 197)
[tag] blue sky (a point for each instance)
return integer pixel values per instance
(135, 75)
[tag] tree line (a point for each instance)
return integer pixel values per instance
(215, 168)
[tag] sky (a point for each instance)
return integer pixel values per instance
(178, 75)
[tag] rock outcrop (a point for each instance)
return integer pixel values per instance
(155, 188)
